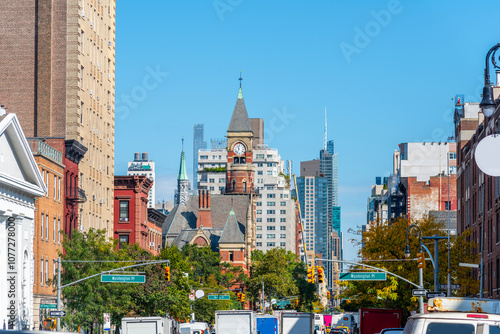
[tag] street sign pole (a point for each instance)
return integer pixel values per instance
(421, 283)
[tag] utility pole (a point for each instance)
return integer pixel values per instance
(58, 322)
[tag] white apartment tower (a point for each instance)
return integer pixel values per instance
(143, 166)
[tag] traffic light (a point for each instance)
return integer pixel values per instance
(167, 274)
(328, 294)
(238, 297)
(320, 275)
(242, 297)
(310, 275)
(421, 260)
(296, 302)
(49, 323)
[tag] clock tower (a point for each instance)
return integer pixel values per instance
(240, 169)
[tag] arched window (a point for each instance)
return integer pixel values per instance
(245, 186)
(236, 160)
(234, 185)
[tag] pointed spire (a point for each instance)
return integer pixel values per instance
(182, 167)
(239, 120)
(231, 232)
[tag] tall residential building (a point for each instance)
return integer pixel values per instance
(313, 200)
(198, 144)
(143, 166)
(57, 68)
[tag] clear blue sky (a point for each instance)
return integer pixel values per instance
(385, 70)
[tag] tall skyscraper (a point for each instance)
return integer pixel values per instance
(143, 166)
(57, 68)
(198, 144)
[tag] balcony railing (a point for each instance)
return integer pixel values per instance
(76, 195)
(38, 147)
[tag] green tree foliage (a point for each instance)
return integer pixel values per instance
(283, 276)
(384, 246)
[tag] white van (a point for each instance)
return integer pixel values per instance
(194, 328)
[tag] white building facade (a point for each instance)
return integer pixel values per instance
(20, 183)
(143, 166)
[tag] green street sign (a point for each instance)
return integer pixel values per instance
(48, 306)
(363, 276)
(123, 278)
(218, 297)
(282, 302)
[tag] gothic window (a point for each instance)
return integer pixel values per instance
(234, 184)
(244, 187)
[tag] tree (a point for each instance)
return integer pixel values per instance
(283, 276)
(86, 301)
(383, 247)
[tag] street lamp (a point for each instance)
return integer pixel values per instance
(408, 253)
(487, 104)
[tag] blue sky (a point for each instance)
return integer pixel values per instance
(385, 70)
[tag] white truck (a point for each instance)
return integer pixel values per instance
(147, 325)
(235, 322)
(457, 315)
(297, 323)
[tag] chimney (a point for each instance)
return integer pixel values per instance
(204, 214)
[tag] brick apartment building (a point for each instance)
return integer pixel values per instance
(134, 223)
(478, 193)
(57, 61)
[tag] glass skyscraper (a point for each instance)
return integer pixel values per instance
(198, 144)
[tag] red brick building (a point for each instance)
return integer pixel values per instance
(131, 217)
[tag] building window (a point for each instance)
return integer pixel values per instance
(271, 244)
(59, 230)
(41, 272)
(283, 212)
(271, 220)
(54, 230)
(282, 220)
(231, 256)
(271, 195)
(211, 180)
(271, 228)
(271, 203)
(447, 205)
(271, 236)
(41, 224)
(259, 212)
(283, 236)
(259, 228)
(271, 212)
(259, 220)
(259, 244)
(123, 239)
(46, 270)
(124, 215)
(259, 156)
(259, 236)
(269, 172)
(259, 172)
(258, 203)
(283, 244)
(282, 203)
(282, 228)
(47, 183)
(55, 187)
(47, 227)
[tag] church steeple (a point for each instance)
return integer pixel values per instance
(240, 169)
(183, 186)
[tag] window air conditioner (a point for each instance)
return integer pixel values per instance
(83, 13)
(151, 244)
(91, 92)
(109, 106)
(101, 201)
(110, 43)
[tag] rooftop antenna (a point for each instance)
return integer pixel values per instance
(324, 140)
(182, 144)
(240, 79)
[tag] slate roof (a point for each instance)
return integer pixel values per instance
(180, 224)
(231, 233)
(239, 120)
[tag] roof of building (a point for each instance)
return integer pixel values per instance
(180, 225)
(239, 120)
(232, 232)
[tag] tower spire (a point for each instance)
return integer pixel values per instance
(324, 140)
(240, 79)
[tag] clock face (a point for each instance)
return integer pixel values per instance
(239, 149)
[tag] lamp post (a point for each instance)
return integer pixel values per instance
(436, 239)
(408, 253)
(488, 101)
